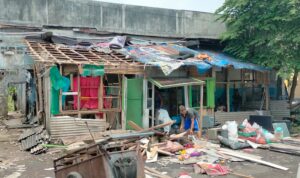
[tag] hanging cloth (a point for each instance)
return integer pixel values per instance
(57, 82)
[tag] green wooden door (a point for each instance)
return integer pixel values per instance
(134, 109)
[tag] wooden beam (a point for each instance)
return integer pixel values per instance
(100, 96)
(120, 92)
(201, 112)
(40, 92)
(255, 160)
(124, 102)
(228, 96)
(60, 92)
(79, 94)
(93, 111)
(152, 105)
(134, 126)
(37, 100)
(227, 90)
(267, 95)
(158, 126)
(156, 173)
(145, 103)
(186, 96)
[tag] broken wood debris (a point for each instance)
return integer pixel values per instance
(255, 160)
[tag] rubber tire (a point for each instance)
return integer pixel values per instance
(74, 175)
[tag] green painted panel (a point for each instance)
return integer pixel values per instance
(210, 91)
(134, 110)
(135, 88)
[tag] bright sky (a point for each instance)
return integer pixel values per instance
(194, 5)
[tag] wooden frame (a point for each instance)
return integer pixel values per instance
(113, 62)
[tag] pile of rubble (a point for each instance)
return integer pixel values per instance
(209, 155)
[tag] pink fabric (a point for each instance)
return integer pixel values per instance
(214, 169)
(89, 92)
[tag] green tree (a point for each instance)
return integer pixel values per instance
(265, 32)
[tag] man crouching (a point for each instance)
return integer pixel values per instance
(189, 119)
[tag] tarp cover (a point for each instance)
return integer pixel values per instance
(170, 57)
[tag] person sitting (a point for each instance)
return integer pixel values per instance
(189, 119)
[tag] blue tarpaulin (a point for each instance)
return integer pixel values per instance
(166, 57)
(228, 60)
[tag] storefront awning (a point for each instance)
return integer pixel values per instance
(174, 82)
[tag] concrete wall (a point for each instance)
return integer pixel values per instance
(14, 62)
(111, 17)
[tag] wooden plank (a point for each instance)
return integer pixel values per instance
(227, 90)
(240, 175)
(158, 126)
(201, 112)
(240, 153)
(79, 93)
(160, 151)
(186, 96)
(267, 95)
(40, 92)
(60, 91)
(256, 160)
(145, 103)
(152, 105)
(156, 172)
(228, 96)
(124, 102)
(134, 126)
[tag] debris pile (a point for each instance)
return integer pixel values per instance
(211, 155)
(32, 140)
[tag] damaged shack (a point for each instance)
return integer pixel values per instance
(96, 85)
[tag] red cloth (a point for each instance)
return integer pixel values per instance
(89, 92)
(214, 169)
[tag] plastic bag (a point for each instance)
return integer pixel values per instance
(232, 130)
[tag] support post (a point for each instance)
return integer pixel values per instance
(227, 90)
(100, 95)
(78, 95)
(124, 101)
(201, 112)
(60, 92)
(228, 96)
(267, 92)
(71, 82)
(152, 106)
(186, 97)
(40, 92)
(145, 104)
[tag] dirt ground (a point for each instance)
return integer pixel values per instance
(15, 163)
(19, 164)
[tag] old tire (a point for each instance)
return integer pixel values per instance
(74, 175)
